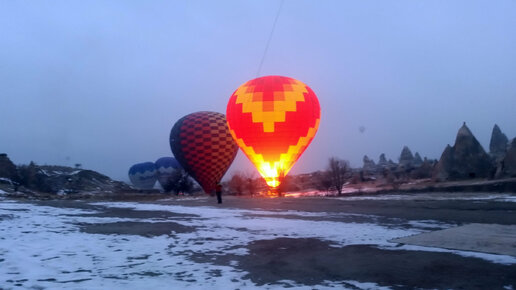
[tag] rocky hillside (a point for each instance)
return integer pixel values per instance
(33, 179)
(465, 159)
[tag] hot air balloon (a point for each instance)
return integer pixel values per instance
(165, 167)
(202, 144)
(273, 119)
(143, 175)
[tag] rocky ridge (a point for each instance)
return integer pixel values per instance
(465, 159)
(59, 180)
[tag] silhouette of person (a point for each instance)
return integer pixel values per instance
(218, 192)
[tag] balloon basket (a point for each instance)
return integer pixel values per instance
(273, 192)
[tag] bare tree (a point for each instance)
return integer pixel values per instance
(237, 183)
(252, 182)
(337, 169)
(322, 181)
(287, 184)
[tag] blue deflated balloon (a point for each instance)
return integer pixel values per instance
(143, 175)
(166, 166)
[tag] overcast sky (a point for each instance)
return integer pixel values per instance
(101, 83)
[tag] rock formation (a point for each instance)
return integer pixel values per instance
(406, 158)
(444, 165)
(417, 160)
(507, 167)
(424, 170)
(62, 180)
(8, 170)
(384, 164)
(498, 144)
(382, 161)
(466, 159)
(369, 165)
(33, 179)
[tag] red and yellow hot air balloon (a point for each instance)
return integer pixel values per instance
(273, 119)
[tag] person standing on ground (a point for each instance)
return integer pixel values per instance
(218, 192)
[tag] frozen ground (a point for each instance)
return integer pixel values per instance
(157, 246)
(480, 196)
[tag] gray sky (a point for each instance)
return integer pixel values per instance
(102, 82)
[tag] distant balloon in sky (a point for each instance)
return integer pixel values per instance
(202, 144)
(165, 167)
(273, 119)
(143, 175)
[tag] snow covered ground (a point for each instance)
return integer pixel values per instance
(482, 196)
(43, 247)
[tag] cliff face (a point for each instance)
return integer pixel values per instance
(33, 178)
(443, 167)
(8, 170)
(418, 161)
(498, 143)
(508, 165)
(466, 159)
(406, 158)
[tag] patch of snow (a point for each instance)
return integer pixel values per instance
(226, 224)
(362, 285)
(429, 224)
(6, 180)
(44, 247)
(180, 198)
(309, 194)
(2, 192)
(493, 258)
(436, 196)
(507, 199)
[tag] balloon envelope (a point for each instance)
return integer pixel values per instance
(273, 119)
(202, 144)
(143, 175)
(165, 167)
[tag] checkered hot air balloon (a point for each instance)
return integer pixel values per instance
(273, 119)
(202, 144)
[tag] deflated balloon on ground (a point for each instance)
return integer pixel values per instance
(143, 175)
(165, 168)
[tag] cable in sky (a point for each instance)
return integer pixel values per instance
(270, 37)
